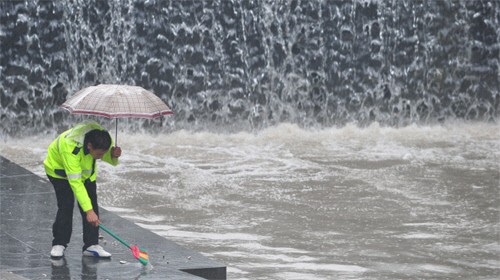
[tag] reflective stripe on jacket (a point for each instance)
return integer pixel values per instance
(68, 159)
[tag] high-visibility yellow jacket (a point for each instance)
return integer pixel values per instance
(68, 159)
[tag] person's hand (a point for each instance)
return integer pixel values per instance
(116, 152)
(92, 218)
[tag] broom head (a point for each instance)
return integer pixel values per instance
(140, 254)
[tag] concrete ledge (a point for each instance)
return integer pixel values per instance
(27, 205)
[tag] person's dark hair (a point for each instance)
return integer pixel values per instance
(100, 139)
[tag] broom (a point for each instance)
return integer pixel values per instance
(139, 253)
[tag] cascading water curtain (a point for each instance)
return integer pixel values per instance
(243, 65)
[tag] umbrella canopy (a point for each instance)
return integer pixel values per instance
(116, 101)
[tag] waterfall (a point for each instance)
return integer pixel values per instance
(243, 65)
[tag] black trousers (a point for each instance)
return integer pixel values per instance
(63, 225)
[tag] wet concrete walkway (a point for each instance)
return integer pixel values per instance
(27, 204)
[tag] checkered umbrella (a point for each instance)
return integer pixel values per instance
(117, 101)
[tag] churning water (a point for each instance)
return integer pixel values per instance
(289, 203)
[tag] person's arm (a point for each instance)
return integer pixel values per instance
(71, 163)
(112, 155)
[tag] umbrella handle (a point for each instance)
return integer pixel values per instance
(116, 132)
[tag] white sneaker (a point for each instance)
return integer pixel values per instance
(96, 251)
(58, 262)
(57, 251)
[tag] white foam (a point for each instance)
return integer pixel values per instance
(421, 235)
(169, 231)
(266, 257)
(438, 268)
(148, 218)
(302, 266)
(157, 227)
(233, 270)
(428, 224)
(296, 276)
(253, 247)
(119, 209)
(211, 236)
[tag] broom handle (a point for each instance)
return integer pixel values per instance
(114, 235)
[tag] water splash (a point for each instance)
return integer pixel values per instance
(149, 267)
